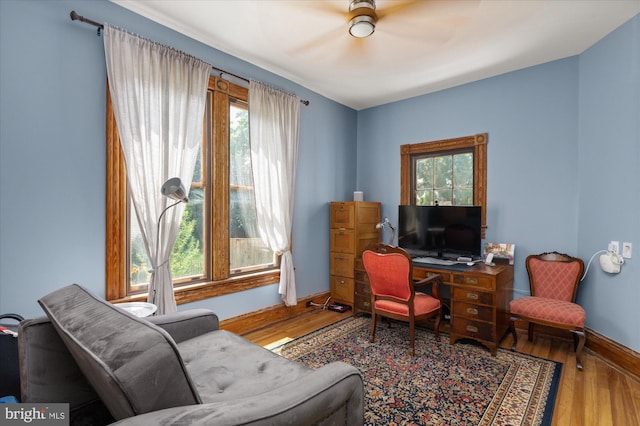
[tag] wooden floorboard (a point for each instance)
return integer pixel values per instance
(600, 395)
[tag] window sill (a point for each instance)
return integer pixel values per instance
(207, 290)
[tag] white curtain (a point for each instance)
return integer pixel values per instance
(158, 96)
(273, 130)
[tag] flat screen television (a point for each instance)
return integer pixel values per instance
(446, 232)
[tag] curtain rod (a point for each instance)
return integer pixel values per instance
(76, 17)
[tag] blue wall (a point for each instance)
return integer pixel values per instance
(562, 159)
(609, 179)
(52, 156)
(563, 156)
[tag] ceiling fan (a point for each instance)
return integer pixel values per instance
(425, 22)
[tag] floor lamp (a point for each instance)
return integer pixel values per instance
(174, 190)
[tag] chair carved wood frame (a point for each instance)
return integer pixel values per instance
(553, 281)
(393, 293)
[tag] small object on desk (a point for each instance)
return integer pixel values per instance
(470, 263)
(139, 309)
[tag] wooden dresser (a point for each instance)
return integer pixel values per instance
(353, 227)
(480, 299)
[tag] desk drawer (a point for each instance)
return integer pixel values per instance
(421, 273)
(473, 296)
(363, 304)
(473, 280)
(472, 311)
(473, 329)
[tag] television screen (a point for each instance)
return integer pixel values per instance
(440, 231)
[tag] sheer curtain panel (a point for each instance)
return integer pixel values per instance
(158, 96)
(273, 129)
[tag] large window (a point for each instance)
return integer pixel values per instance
(445, 172)
(218, 250)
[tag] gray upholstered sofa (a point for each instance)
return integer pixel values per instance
(173, 369)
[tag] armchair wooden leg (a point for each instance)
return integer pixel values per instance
(514, 333)
(437, 325)
(579, 347)
(530, 333)
(412, 337)
(373, 327)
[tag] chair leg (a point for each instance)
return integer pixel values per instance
(530, 333)
(580, 335)
(514, 333)
(373, 327)
(412, 335)
(437, 325)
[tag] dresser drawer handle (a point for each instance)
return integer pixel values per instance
(472, 329)
(341, 208)
(471, 280)
(367, 304)
(341, 230)
(341, 281)
(473, 296)
(340, 258)
(472, 311)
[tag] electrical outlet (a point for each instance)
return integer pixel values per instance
(614, 246)
(626, 250)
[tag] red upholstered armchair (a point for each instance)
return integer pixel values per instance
(553, 280)
(393, 292)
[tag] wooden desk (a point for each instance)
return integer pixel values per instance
(480, 298)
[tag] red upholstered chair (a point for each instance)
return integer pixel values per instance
(553, 280)
(393, 292)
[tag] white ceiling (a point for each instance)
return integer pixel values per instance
(418, 47)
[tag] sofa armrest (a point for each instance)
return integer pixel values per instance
(332, 394)
(188, 324)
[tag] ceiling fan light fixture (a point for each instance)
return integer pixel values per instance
(362, 26)
(363, 18)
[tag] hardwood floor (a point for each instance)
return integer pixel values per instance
(600, 395)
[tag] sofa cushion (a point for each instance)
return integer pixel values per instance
(225, 366)
(132, 364)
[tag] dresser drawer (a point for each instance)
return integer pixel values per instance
(341, 264)
(361, 275)
(343, 240)
(473, 329)
(474, 280)
(363, 304)
(343, 215)
(342, 288)
(472, 311)
(472, 296)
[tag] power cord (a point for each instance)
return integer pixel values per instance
(590, 260)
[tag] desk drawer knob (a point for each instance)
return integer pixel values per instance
(472, 329)
(473, 296)
(472, 311)
(341, 281)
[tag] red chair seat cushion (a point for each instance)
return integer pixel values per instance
(552, 310)
(423, 303)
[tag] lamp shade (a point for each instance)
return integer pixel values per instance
(174, 189)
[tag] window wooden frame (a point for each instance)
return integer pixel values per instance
(479, 145)
(116, 259)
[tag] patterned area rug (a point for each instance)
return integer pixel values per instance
(442, 384)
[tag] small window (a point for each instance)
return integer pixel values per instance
(449, 172)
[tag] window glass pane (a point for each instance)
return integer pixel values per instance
(187, 256)
(246, 249)
(463, 170)
(424, 173)
(139, 264)
(463, 197)
(444, 197)
(424, 198)
(443, 172)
